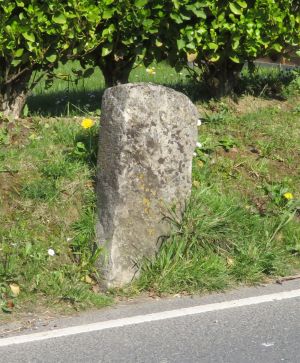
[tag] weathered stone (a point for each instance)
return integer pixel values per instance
(147, 139)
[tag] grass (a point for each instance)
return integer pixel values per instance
(238, 227)
(47, 202)
(69, 96)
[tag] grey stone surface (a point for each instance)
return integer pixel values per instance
(147, 138)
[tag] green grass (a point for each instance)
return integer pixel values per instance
(72, 96)
(47, 202)
(238, 226)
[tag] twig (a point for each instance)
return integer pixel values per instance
(13, 78)
(287, 278)
(9, 171)
(6, 332)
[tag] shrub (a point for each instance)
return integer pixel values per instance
(34, 36)
(128, 32)
(220, 36)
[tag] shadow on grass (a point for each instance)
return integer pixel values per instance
(65, 104)
(266, 84)
(80, 103)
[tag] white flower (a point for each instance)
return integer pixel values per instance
(199, 123)
(69, 239)
(198, 144)
(195, 154)
(51, 252)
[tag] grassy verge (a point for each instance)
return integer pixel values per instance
(47, 214)
(242, 222)
(240, 226)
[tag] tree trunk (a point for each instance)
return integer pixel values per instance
(222, 78)
(115, 71)
(13, 95)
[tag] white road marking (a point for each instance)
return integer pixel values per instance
(140, 319)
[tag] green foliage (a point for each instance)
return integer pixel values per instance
(35, 35)
(236, 30)
(211, 251)
(128, 31)
(114, 35)
(40, 32)
(221, 36)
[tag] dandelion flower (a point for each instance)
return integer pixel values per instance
(288, 196)
(87, 123)
(51, 252)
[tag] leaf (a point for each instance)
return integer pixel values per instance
(19, 52)
(59, 19)
(29, 36)
(235, 59)
(51, 58)
(213, 46)
(215, 58)
(191, 57)
(16, 62)
(277, 47)
(6, 309)
(180, 44)
(106, 50)
(15, 289)
(234, 9)
(140, 3)
(242, 3)
(107, 14)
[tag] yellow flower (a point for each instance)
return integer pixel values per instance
(87, 123)
(288, 196)
(151, 71)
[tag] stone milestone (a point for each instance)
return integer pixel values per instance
(147, 138)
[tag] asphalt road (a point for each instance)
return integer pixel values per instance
(245, 325)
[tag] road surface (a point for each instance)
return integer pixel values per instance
(246, 325)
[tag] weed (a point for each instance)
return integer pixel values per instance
(228, 143)
(4, 136)
(84, 250)
(196, 257)
(57, 169)
(86, 146)
(40, 189)
(279, 194)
